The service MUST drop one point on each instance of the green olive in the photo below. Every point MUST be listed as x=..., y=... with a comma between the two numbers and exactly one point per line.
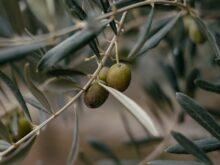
x=24, y=127
x=103, y=73
x=95, y=96
x=195, y=33
x=119, y=76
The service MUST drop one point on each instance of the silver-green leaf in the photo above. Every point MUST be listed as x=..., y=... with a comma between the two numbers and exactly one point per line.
x=16, y=93
x=134, y=109
x=34, y=90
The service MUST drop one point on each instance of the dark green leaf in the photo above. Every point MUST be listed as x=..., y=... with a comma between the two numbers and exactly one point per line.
x=207, y=145
x=4, y=134
x=65, y=72
x=171, y=75
x=13, y=11
x=191, y=147
x=179, y=61
x=199, y=114
x=190, y=85
x=75, y=142
x=34, y=90
x=146, y=141
x=143, y=34
x=76, y=10
x=68, y=46
x=19, y=153
x=156, y=38
x=4, y=145
x=209, y=36
x=16, y=93
x=106, y=6
x=103, y=148
x=174, y=162
x=18, y=52
x=208, y=86
x=156, y=92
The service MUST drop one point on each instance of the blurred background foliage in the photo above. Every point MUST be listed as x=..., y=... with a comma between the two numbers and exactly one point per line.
x=31, y=29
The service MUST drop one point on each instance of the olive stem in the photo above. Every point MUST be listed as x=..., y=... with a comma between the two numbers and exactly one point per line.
x=116, y=52
x=94, y=75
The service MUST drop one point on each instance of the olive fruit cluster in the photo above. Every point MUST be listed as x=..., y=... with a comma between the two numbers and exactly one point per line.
x=118, y=76
x=195, y=34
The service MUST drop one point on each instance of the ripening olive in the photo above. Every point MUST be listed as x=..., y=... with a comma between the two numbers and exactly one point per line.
x=95, y=96
x=103, y=73
x=119, y=76
x=191, y=27
x=24, y=127
x=195, y=33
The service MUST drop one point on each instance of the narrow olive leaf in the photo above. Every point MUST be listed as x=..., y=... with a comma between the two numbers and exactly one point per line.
x=77, y=10
x=65, y=72
x=4, y=145
x=134, y=109
x=156, y=38
x=19, y=153
x=81, y=14
x=143, y=34
x=191, y=147
x=171, y=75
x=13, y=11
x=208, y=86
x=34, y=90
x=146, y=141
x=35, y=103
x=71, y=44
x=190, y=85
x=4, y=133
x=75, y=142
x=61, y=85
x=19, y=52
x=104, y=149
x=158, y=24
x=16, y=93
x=209, y=35
x=199, y=114
x=179, y=61
x=106, y=6
x=156, y=92
x=174, y=162
x=207, y=145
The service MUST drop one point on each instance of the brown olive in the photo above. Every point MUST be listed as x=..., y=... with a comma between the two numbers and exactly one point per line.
x=24, y=127
x=95, y=96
